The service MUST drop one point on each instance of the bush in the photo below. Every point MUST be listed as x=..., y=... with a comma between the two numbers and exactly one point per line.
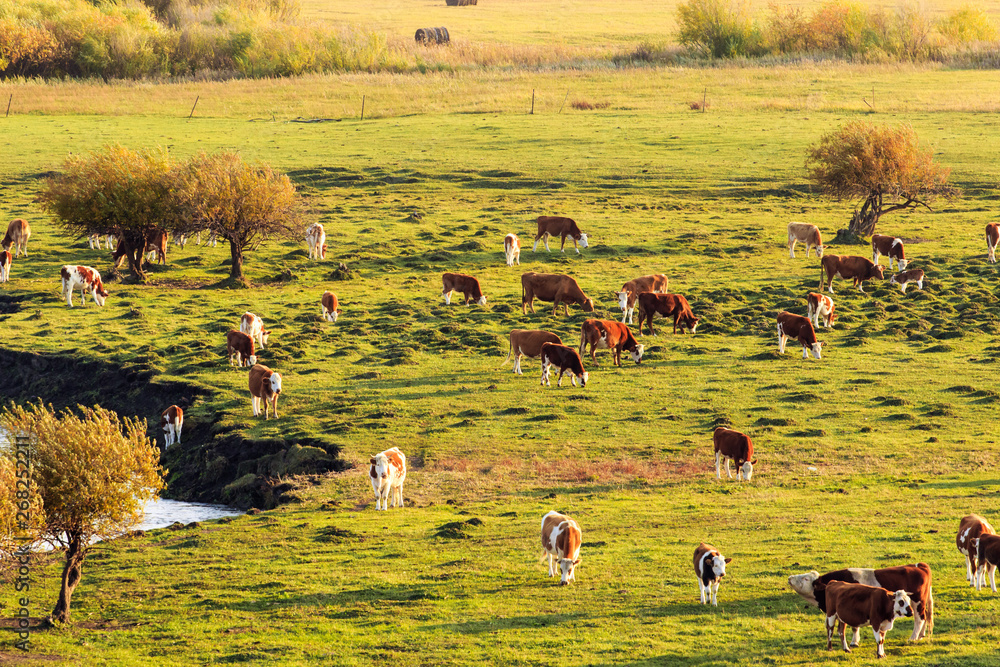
x=968, y=25
x=718, y=28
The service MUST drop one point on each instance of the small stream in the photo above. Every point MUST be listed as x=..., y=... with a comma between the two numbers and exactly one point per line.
x=161, y=512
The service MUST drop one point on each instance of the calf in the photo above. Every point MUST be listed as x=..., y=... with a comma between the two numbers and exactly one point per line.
x=971, y=527
x=316, y=239
x=87, y=279
x=156, y=246
x=800, y=328
x=6, y=259
x=554, y=287
x=265, y=386
x=240, y=347
x=331, y=307
x=992, y=238
x=528, y=343
x=512, y=249
x=904, y=278
x=467, y=286
x=606, y=334
x=629, y=294
x=566, y=359
x=171, y=422
x=551, y=225
x=807, y=234
x=856, y=605
x=667, y=305
x=710, y=568
x=388, y=472
x=988, y=554
x=916, y=579
x=18, y=233
x=738, y=447
x=561, y=541
x=891, y=247
x=847, y=267
x=819, y=305
x=253, y=326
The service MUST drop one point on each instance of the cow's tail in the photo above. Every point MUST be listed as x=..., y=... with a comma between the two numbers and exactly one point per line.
x=510, y=351
x=822, y=272
x=583, y=340
x=929, y=610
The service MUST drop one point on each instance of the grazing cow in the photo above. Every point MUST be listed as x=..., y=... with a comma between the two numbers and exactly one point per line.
x=807, y=234
x=552, y=225
x=710, y=568
x=171, y=422
x=156, y=246
x=512, y=249
x=180, y=239
x=528, y=343
x=95, y=241
x=561, y=541
x=819, y=305
x=331, y=307
x=388, y=472
x=316, y=239
x=18, y=233
x=904, y=278
x=467, y=286
x=916, y=579
x=629, y=294
x=800, y=328
x=735, y=446
x=892, y=248
x=240, y=348
x=972, y=527
x=87, y=279
x=6, y=259
x=847, y=267
x=253, y=326
x=988, y=554
x=857, y=604
x=566, y=359
x=212, y=238
x=667, y=305
x=992, y=238
x=607, y=334
x=554, y=287
x=265, y=386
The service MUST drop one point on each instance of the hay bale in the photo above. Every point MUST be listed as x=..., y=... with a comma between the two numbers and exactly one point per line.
x=420, y=36
x=432, y=36
x=443, y=36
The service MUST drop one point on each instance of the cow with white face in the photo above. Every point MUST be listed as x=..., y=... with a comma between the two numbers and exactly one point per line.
x=316, y=239
x=253, y=326
x=561, y=540
x=387, y=473
x=710, y=568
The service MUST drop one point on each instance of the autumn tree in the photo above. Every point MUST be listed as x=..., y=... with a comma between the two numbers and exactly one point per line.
x=93, y=474
x=245, y=203
x=881, y=167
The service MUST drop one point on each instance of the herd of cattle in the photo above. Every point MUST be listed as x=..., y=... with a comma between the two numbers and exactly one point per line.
x=851, y=597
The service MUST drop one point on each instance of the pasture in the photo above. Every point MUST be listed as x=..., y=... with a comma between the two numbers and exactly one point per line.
x=896, y=419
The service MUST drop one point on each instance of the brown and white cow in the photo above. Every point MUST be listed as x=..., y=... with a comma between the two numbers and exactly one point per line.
x=710, y=568
x=971, y=527
x=735, y=446
x=240, y=349
x=609, y=335
x=465, y=285
x=156, y=246
x=265, y=386
x=819, y=305
x=387, y=474
x=668, y=305
x=561, y=541
x=253, y=326
x=171, y=423
x=554, y=287
x=988, y=554
x=316, y=240
x=528, y=343
x=915, y=579
x=512, y=249
x=6, y=259
x=856, y=605
x=904, y=278
x=848, y=267
x=992, y=239
x=85, y=278
x=554, y=225
x=801, y=329
x=892, y=248
x=565, y=359
x=805, y=233
x=630, y=291
x=18, y=233
x=331, y=307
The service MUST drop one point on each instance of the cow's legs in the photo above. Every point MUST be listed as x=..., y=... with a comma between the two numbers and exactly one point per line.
x=447, y=297
x=562, y=244
x=860, y=285
x=993, y=576
x=701, y=591
x=728, y=471
x=918, y=623
x=782, y=340
x=517, y=364
x=791, y=246
x=856, y=636
x=843, y=636
x=879, y=640
x=718, y=465
x=399, y=490
x=831, y=621
x=969, y=568
x=805, y=352
x=552, y=570
x=559, y=382
x=715, y=592
x=177, y=431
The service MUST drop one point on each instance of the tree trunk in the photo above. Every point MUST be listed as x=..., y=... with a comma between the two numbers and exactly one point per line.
x=135, y=256
x=72, y=573
x=863, y=222
x=236, y=269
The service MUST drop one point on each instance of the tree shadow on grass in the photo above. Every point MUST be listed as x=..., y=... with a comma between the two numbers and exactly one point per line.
x=964, y=484
x=498, y=624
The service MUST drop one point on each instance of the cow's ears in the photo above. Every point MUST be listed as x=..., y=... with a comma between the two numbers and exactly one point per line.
x=339, y=311
x=372, y=460
x=577, y=561
x=729, y=560
x=754, y=462
x=822, y=343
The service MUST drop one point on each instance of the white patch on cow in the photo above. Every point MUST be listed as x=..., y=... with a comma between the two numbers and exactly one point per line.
x=636, y=354
x=863, y=575
x=583, y=242
x=447, y=298
x=817, y=349
x=746, y=470
x=482, y=300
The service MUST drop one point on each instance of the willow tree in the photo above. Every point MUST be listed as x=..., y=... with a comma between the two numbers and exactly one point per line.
x=881, y=167
x=92, y=473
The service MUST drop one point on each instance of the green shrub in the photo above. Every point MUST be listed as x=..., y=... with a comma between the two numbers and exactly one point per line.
x=718, y=28
x=968, y=25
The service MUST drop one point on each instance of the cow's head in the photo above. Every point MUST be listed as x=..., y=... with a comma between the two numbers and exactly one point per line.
x=816, y=349
x=264, y=333
x=588, y=305
x=322, y=251
x=804, y=585
x=692, y=323
x=380, y=466
x=584, y=378
x=583, y=240
x=746, y=469
x=819, y=250
x=568, y=568
x=717, y=564
x=100, y=294
x=482, y=300
x=636, y=353
x=879, y=272
x=901, y=605
x=622, y=299
x=275, y=383
x=902, y=264
x=252, y=360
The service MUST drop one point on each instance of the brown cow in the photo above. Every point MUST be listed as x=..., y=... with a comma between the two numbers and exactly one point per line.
x=18, y=233
x=528, y=343
x=971, y=527
x=561, y=540
x=667, y=305
x=710, y=568
x=265, y=386
x=800, y=328
x=847, y=267
x=566, y=359
x=992, y=238
x=807, y=234
x=331, y=307
x=171, y=423
x=6, y=259
x=891, y=247
x=554, y=287
x=988, y=553
x=512, y=249
x=156, y=246
x=240, y=347
x=819, y=305
x=856, y=605
x=904, y=278
x=86, y=278
x=466, y=285
x=551, y=225
x=629, y=294
x=730, y=444
x=607, y=334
